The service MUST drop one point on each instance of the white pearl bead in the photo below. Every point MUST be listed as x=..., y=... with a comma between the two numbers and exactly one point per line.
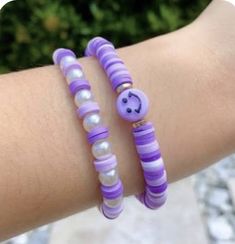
x=112, y=203
x=91, y=121
x=74, y=74
x=82, y=97
x=66, y=61
x=109, y=178
x=101, y=149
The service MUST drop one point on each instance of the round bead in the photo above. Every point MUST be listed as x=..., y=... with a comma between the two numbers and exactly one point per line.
x=74, y=74
x=101, y=149
x=67, y=61
x=112, y=203
x=91, y=121
x=109, y=178
x=82, y=96
x=132, y=105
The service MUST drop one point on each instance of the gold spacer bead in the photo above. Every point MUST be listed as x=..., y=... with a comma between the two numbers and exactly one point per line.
x=139, y=123
x=123, y=87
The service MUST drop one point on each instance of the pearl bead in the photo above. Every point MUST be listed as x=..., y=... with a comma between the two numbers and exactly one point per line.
x=91, y=121
x=74, y=74
x=101, y=149
x=112, y=203
x=109, y=178
x=66, y=61
x=82, y=97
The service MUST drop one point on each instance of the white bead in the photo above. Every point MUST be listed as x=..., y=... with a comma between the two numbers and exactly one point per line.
x=91, y=121
x=112, y=203
x=66, y=61
x=82, y=97
x=109, y=178
x=101, y=149
x=74, y=74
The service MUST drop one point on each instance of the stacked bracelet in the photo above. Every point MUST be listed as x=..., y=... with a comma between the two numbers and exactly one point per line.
x=132, y=105
x=97, y=134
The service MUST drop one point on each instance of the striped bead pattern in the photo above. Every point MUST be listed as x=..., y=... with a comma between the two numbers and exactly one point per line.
x=112, y=64
x=152, y=164
x=97, y=134
x=147, y=147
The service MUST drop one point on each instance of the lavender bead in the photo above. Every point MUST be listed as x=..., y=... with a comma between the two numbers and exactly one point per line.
x=106, y=164
x=132, y=105
x=97, y=133
x=113, y=203
x=88, y=108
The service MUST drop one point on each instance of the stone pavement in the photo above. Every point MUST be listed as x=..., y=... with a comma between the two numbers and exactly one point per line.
x=179, y=222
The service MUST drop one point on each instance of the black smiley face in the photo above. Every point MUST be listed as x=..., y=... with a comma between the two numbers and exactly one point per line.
x=125, y=100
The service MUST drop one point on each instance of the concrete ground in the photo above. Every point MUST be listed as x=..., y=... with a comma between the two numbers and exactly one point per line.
x=178, y=222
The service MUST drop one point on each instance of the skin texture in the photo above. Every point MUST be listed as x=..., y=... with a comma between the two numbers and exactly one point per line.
x=46, y=170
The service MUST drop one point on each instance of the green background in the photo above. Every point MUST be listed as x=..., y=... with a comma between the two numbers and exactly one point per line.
x=31, y=29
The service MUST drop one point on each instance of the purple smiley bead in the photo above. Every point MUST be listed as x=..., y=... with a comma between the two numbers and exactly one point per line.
x=132, y=105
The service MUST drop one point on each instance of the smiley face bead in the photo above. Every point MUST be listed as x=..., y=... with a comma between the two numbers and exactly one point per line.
x=132, y=105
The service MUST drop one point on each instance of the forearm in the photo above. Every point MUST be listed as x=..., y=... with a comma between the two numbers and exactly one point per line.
x=45, y=163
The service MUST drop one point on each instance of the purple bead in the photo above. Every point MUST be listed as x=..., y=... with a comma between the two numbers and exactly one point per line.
x=156, y=152
x=154, y=203
x=159, y=181
x=153, y=165
x=112, y=192
x=121, y=79
x=78, y=85
x=97, y=133
x=146, y=157
x=151, y=175
x=106, y=164
x=87, y=107
x=158, y=189
x=147, y=148
x=111, y=213
x=145, y=141
x=132, y=105
x=61, y=53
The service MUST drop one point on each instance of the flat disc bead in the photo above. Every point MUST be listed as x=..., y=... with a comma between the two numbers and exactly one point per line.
x=61, y=53
x=112, y=203
x=106, y=164
x=88, y=108
x=98, y=133
x=132, y=105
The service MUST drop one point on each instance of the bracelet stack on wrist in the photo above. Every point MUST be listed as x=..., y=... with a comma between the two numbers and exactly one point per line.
x=97, y=134
x=132, y=105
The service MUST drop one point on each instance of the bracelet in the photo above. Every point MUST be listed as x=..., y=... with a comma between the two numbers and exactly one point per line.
x=132, y=105
x=97, y=134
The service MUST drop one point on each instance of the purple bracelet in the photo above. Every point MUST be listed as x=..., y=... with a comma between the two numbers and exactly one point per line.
x=97, y=134
x=132, y=105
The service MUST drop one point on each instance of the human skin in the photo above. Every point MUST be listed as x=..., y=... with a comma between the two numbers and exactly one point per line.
x=46, y=169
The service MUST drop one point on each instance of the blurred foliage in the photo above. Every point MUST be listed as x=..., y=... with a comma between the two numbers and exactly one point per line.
x=31, y=29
